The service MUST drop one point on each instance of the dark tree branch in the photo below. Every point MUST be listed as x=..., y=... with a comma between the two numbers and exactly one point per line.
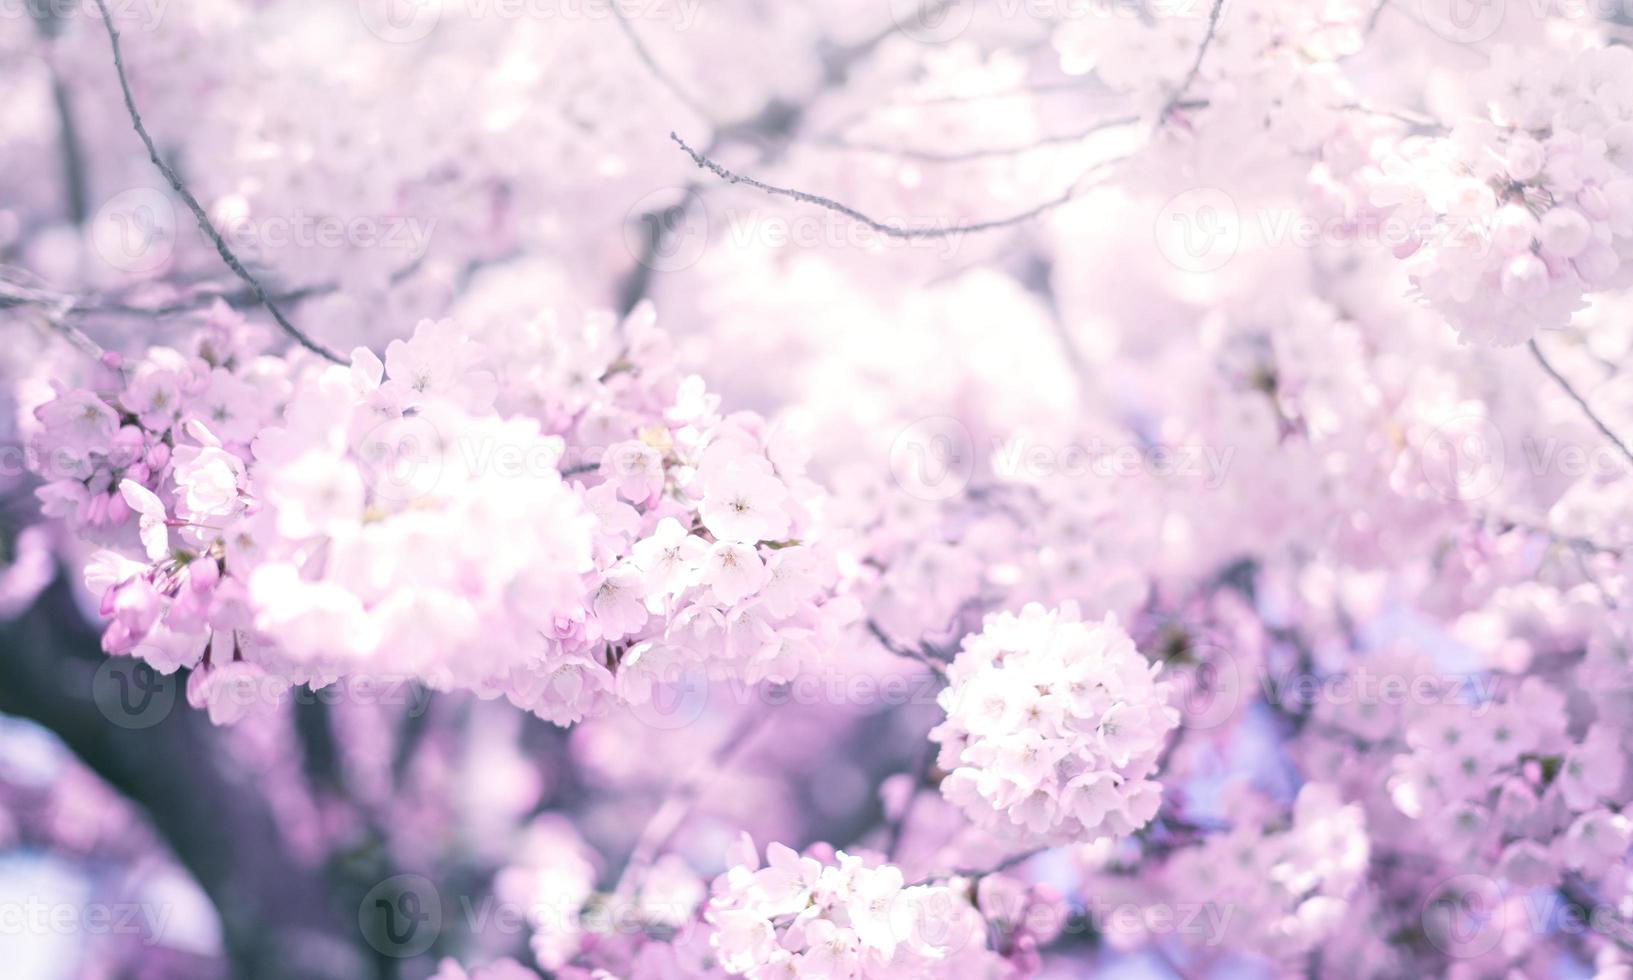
x=921, y=654
x=199, y=216
x=277, y=919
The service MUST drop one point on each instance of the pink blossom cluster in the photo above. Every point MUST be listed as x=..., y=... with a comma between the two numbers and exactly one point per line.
x=1288, y=886
x=1524, y=208
x=1053, y=728
x=1514, y=789
x=284, y=521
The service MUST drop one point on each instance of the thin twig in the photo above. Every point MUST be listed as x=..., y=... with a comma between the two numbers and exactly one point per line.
x=921, y=655
x=979, y=873
x=658, y=72
x=1196, y=65
x=886, y=228
x=203, y=219
x=1587, y=410
x=674, y=809
x=54, y=316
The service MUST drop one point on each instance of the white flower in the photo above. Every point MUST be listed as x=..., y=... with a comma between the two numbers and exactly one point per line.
x=874, y=912
x=317, y=495
x=438, y=363
x=209, y=479
x=668, y=559
x=150, y=518
x=793, y=579
x=619, y=604
x=745, y=504
x=733, y=571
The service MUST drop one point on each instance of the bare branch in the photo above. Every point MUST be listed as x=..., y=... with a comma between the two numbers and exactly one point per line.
x=977, y=873
x=54, y=312
x=677, y=806
x=203, y=219
x=1581, y=402
x=657, y=71
x=921, y=654
x=895, y=230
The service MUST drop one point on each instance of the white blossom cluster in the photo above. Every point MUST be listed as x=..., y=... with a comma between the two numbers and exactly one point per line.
x=801, y=917
x=1053, y=726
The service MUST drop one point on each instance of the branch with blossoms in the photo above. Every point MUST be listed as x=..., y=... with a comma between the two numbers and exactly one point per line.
x=1195, y=582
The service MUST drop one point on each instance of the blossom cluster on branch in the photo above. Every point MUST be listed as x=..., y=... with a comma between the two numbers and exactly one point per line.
x=1147, y=481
